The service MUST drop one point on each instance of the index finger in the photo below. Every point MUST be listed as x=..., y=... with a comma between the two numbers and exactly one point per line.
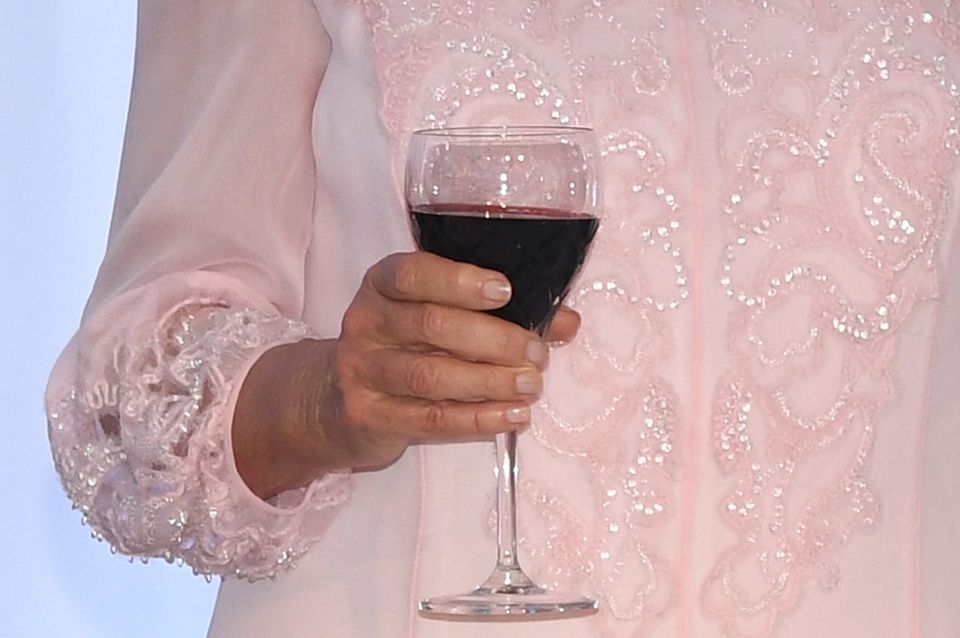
x=425, y=277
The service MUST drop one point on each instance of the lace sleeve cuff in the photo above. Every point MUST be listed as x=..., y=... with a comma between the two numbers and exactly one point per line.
x=144, y=451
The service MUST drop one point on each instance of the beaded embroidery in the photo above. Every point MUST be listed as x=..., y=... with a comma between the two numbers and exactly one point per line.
x=883, y=120
x=836, y=131
x=141, y=453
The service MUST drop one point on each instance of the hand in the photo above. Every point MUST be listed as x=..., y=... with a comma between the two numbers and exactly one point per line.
x=418, y=360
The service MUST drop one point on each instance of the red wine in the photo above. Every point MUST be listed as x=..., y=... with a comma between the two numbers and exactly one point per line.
x=538, y=249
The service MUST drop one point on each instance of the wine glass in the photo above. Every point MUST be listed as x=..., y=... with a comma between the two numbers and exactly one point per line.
x=521, y=200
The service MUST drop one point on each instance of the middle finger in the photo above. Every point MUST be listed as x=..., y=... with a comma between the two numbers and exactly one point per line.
x=466, y=334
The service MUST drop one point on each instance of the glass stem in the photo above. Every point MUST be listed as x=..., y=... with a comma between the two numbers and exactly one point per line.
x=507, y=502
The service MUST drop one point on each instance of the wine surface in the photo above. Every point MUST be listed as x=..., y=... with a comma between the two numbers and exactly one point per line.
x=540, y=250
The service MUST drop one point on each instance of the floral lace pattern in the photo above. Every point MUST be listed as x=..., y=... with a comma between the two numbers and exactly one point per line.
x=835, y=129
x=143, y=451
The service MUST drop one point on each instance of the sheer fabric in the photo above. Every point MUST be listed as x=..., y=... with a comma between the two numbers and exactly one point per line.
x=203, y=272
x=144, y=450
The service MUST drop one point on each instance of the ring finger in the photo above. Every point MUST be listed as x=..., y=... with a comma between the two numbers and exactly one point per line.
x=435, y=376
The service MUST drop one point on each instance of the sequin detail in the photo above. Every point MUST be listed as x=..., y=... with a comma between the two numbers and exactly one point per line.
x=835, y=127
x=483, y=61
x=141, y=451
x=831, y=223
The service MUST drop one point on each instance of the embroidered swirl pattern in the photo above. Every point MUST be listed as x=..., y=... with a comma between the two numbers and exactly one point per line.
x=794, y=417
x=835, y=128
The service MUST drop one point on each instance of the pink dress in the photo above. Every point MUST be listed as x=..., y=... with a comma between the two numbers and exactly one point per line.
x=755, y=434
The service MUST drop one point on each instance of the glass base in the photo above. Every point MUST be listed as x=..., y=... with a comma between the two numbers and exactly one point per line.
x=509, y=597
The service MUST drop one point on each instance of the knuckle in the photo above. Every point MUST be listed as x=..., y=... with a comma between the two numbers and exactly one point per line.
x=422, y=377
x=431, y=321
x=375, y=275
x=406, y=275
x=434, y=419
x=465, y=278
x=497, y=384
x=478, y=422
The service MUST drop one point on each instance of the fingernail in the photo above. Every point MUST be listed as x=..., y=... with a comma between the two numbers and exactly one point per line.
x=496, y=290
x=518, y=415
x=537, y=353
x=528, y=383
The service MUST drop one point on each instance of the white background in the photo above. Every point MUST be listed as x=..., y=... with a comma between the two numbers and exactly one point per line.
x=64, y=85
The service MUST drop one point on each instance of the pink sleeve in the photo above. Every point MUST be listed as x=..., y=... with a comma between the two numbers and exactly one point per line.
x=203, y=273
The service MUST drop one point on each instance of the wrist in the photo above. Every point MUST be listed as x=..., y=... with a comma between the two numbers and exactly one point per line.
x=281, y=426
